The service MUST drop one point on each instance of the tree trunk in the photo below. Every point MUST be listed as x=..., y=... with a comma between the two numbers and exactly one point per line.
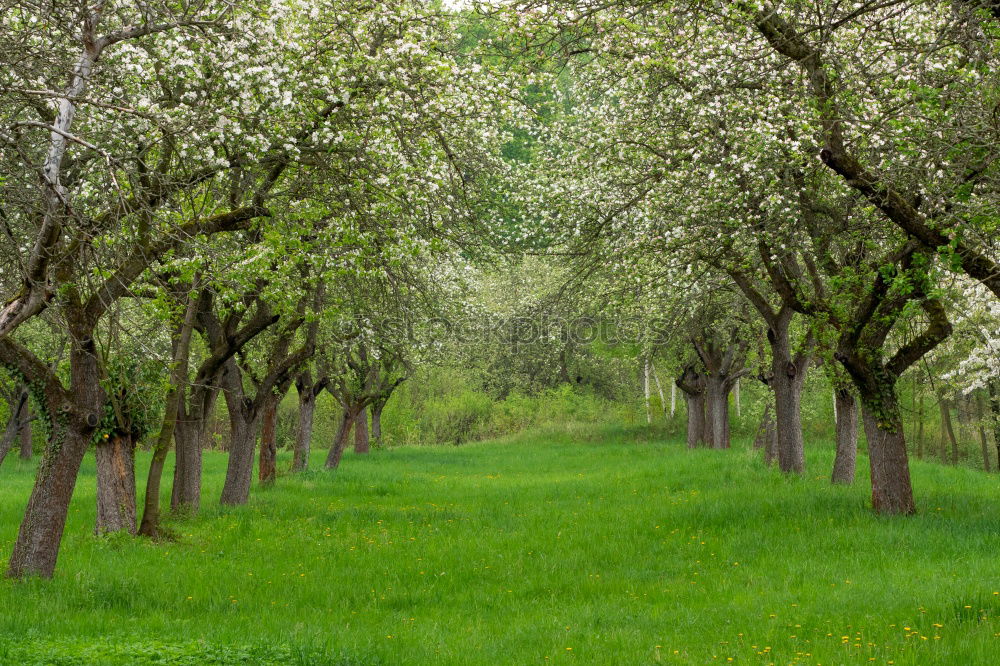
x=981, y=427
x=239, y=471
x=845, y=462
x=645, y=391
x=376, y=409
x=244, y=424
x=150, y=525
x=788, y=376
x=115, y=457
x=361, y=442
x=15, y=423
x=37, y=546
x=695, y=420
x=659, y=390
x=186, y=494
x=340, y=440
x=26, y=440
x=766, y=437
x=770, y=444
x=303, y=436
x=949, y=431
x=788, y=421
x=717, y=411
x=268, y=463
x=965, y=409
x=759, y=440
x=920, y=423
x=892, y=493
x=994, y=387
x=723, y=367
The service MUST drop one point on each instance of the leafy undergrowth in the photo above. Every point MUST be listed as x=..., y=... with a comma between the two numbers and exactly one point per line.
x=593, y=546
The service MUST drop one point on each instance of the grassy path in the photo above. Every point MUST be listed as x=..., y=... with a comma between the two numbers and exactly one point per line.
x=542, y=549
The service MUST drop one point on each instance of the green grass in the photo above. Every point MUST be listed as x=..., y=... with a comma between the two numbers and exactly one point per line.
x=613, y=548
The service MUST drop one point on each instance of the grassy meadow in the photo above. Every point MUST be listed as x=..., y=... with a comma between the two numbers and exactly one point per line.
x=572, y=545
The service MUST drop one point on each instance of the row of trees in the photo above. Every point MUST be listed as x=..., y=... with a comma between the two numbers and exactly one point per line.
x=831, y=168
x=214, y=197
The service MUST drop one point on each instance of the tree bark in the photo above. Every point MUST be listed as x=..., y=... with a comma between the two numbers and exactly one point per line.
x=765, y=438
x=244, y=424
x=994, y=388
x=267, y=469
x=15, y=423
x=303, y=435
x=695, y=420
x=845, y=462
x=788, y=376
x=723, y=367
x=646, y=392
x=72, y=426
x=115, y=457
x=26, y=448
x=37, y=546
x=186, y=492
x=981, y=427
x=949, y=431
x=150, y=525
x=239, y=471
x=189, y=436
x=892, y=493
x=376, y=409
x=692, y=384
x=659, y=390
x=920, y=422
x=340, y=439
x=770, y=444
x=759, y=441
x=362, y=444
x=717, y=411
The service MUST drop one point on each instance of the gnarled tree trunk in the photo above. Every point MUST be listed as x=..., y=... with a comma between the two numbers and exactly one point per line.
x=186, y=492
x=765, y=438
x=845, y=462
x=181, y=344
x=692, y=384
x=244, y=424
x=994, y=388
x=37, y=546
x=948, y=431
x=115, y=457
x=26, y=448
x=239, y=471
x=340, y=440
x=920, y=420
x=890, y=470
x=723, y=367
x=981, y=417
x=377, y=408
x=362, y=444
x=787, y=378
x=696, y=426
x=717, y=411
x=72, y=427
x=267, y=467
x=303, y=435
x=15, y=423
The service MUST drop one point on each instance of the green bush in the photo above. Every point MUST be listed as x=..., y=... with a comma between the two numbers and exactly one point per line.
x=456, y=418
x=444, y=406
